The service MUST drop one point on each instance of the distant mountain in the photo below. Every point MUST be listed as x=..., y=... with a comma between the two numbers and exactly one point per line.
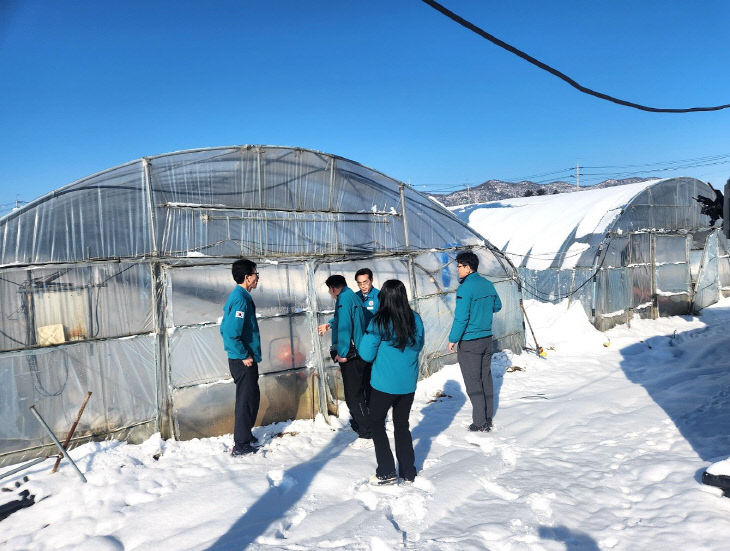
x=495, y=190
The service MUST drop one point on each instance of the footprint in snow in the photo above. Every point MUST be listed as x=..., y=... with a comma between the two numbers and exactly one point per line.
x=482, y=440
x=541, y=505
x=497, y=490
x=279, y=479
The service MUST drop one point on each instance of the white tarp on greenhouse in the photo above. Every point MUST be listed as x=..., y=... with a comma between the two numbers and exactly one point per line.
x=555, y=230
x=639, y=249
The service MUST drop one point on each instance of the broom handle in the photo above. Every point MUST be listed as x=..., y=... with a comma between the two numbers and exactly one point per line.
x=537, y=346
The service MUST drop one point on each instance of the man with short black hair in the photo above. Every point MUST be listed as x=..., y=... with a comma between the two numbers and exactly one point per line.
x=242, y=342
x=348, y=326
x=367, y=293
x=476, y=302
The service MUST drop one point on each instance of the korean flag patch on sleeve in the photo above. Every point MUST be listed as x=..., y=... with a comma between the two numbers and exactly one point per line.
x=239, y=314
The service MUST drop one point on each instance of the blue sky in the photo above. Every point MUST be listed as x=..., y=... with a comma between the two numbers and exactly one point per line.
x=391, y=84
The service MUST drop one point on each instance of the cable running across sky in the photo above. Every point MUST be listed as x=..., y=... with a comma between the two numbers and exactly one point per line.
x=562, y=76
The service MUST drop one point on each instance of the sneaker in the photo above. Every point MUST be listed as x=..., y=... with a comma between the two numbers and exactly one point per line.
x=246, y=449
x=480, y=428
x=385, y=480
x=253, y=440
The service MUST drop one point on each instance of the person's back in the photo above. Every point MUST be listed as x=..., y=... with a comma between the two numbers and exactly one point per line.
x=483, y=303
x=349, y=325
x=394, y=370
x=394, y=339
x=476, y=302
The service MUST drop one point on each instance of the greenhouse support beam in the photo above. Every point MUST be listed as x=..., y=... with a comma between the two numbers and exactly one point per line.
x=401, y=190
x=164, y=394
x=652, y=254
x=322, y=385
x=150, y=204
x=55, y=441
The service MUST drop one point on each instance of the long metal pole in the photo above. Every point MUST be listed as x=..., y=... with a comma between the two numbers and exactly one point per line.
x=23, y=467
x=55, y=441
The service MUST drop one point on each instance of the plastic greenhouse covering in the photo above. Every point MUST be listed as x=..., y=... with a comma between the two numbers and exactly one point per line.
x=115, y=284
x=639, y=249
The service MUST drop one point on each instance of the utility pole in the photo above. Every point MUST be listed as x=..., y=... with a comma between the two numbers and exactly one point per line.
x=577, y=175
x=468, y=189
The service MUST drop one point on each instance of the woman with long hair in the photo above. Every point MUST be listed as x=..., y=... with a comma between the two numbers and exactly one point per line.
x=393, y=340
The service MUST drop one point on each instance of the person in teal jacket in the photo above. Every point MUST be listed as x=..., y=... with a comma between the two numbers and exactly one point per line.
x=242, y=343
x=476, y=302
x=348, y=326
x=393, y=341
x=367, y=293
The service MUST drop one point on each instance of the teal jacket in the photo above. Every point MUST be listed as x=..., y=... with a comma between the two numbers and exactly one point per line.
x=348, y=325
x=239, y=328
x=394, y=371
x=476, y=302
x=370, y=304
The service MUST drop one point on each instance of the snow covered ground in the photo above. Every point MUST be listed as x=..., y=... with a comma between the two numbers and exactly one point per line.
x=595, y=447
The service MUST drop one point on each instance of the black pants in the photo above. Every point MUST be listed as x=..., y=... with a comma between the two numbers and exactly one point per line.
x=356, y=383
x=380, y=403
x=475, y=360
x=248, y=397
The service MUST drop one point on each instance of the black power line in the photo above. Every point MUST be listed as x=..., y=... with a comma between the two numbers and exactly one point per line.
x=562, y=76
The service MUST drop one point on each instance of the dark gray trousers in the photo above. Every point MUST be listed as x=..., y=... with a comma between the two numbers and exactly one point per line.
x=475, y=360
x=356, y=382
x=248, y=397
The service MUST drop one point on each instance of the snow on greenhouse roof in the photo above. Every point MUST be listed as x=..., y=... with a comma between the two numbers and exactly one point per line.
x=533, y=231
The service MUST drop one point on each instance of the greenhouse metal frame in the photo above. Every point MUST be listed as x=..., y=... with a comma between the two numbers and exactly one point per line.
x=115, y=284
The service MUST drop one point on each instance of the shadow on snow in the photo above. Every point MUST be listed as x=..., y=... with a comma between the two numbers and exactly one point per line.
x=437, y=417
x=688, y=375
x=271, y=506
x=573, y=540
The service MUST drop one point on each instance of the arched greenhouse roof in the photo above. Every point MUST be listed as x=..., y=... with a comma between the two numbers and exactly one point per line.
x=226, y=202
x=565, y=231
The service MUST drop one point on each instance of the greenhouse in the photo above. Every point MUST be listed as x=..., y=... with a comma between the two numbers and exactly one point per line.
x=640, y=249
x=115, y=285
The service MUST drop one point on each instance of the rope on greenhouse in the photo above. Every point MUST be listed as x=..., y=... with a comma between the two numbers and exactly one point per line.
x=562, y=76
